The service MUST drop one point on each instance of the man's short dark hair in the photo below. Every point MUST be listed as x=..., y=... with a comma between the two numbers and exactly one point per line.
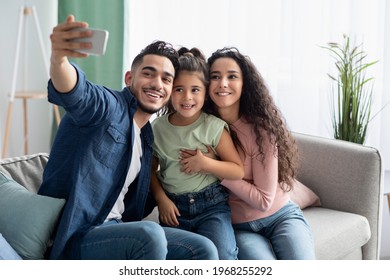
x=158, y=48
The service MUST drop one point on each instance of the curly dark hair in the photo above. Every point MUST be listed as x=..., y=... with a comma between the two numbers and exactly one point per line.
x=257, y=107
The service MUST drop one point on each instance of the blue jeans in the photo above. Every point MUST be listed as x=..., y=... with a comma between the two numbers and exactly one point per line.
x=207, y=213
x=145, y=240
x=285, y=235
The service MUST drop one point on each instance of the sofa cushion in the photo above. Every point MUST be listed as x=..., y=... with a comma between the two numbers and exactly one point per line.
x=336, y=234
x=27, y=220
x=26, y=170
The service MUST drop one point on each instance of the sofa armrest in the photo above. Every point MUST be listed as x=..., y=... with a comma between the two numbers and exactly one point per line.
x=347, y=177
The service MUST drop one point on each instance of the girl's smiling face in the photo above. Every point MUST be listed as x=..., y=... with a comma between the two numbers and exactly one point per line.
x=188, y=95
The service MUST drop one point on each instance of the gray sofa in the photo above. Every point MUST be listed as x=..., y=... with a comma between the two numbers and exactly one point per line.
x=348, y=178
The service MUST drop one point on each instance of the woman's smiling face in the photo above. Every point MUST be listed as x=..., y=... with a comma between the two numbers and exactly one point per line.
x=226, y=83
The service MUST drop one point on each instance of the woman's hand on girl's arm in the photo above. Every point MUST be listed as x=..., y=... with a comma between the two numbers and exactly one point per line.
x=193, y=164
x=186, y=153
x=192, y=160
x=230, y=166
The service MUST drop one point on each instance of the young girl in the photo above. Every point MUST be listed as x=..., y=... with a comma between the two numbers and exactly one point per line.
x=188, y=191
x=268, y=225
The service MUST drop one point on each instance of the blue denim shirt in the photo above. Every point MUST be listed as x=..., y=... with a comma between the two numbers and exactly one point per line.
x=90, y=158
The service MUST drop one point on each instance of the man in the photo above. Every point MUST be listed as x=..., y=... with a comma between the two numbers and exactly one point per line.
x=100, y=161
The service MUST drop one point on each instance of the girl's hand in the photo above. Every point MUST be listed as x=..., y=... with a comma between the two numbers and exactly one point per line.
x=168, y=212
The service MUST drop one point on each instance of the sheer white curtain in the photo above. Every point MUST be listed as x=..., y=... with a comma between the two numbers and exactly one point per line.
x=283, y=38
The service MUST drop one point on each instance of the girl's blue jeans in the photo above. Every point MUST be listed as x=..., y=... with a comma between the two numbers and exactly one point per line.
x=207, y=213
x=285, y=235
x=144, y=240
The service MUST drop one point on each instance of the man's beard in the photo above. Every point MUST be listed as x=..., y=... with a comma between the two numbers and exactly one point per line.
x=142, y=106
x=146, y=109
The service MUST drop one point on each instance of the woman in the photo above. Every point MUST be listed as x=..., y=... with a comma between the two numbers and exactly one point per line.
x=267, y=224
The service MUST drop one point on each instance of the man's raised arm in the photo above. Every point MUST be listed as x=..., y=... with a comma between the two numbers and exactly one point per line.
x=62, y=73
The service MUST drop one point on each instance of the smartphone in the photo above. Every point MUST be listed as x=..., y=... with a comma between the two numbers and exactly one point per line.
x=98, y=39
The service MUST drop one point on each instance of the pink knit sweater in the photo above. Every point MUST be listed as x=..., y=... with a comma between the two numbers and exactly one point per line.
x=258, y=194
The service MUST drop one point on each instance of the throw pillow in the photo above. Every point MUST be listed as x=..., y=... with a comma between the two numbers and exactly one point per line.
x=303, y=196
x=27, y=220
x=6, y=251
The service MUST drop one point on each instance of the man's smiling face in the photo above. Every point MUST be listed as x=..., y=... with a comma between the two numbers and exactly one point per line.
x=151, y=82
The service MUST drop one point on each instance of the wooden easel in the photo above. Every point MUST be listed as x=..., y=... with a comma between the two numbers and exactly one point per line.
x=25, y=94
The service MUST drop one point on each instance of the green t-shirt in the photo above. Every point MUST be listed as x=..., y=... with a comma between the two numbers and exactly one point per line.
x=169, y=139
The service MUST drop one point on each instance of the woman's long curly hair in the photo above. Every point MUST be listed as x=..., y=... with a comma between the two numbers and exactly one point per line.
x=258, y=108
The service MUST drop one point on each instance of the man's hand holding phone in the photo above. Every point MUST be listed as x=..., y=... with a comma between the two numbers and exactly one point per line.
x=97, y=41
x=72, y=39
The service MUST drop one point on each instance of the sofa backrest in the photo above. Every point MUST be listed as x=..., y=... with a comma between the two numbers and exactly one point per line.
x=26, y=170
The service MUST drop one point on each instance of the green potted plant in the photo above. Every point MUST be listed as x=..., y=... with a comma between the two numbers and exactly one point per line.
x=351, y=97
